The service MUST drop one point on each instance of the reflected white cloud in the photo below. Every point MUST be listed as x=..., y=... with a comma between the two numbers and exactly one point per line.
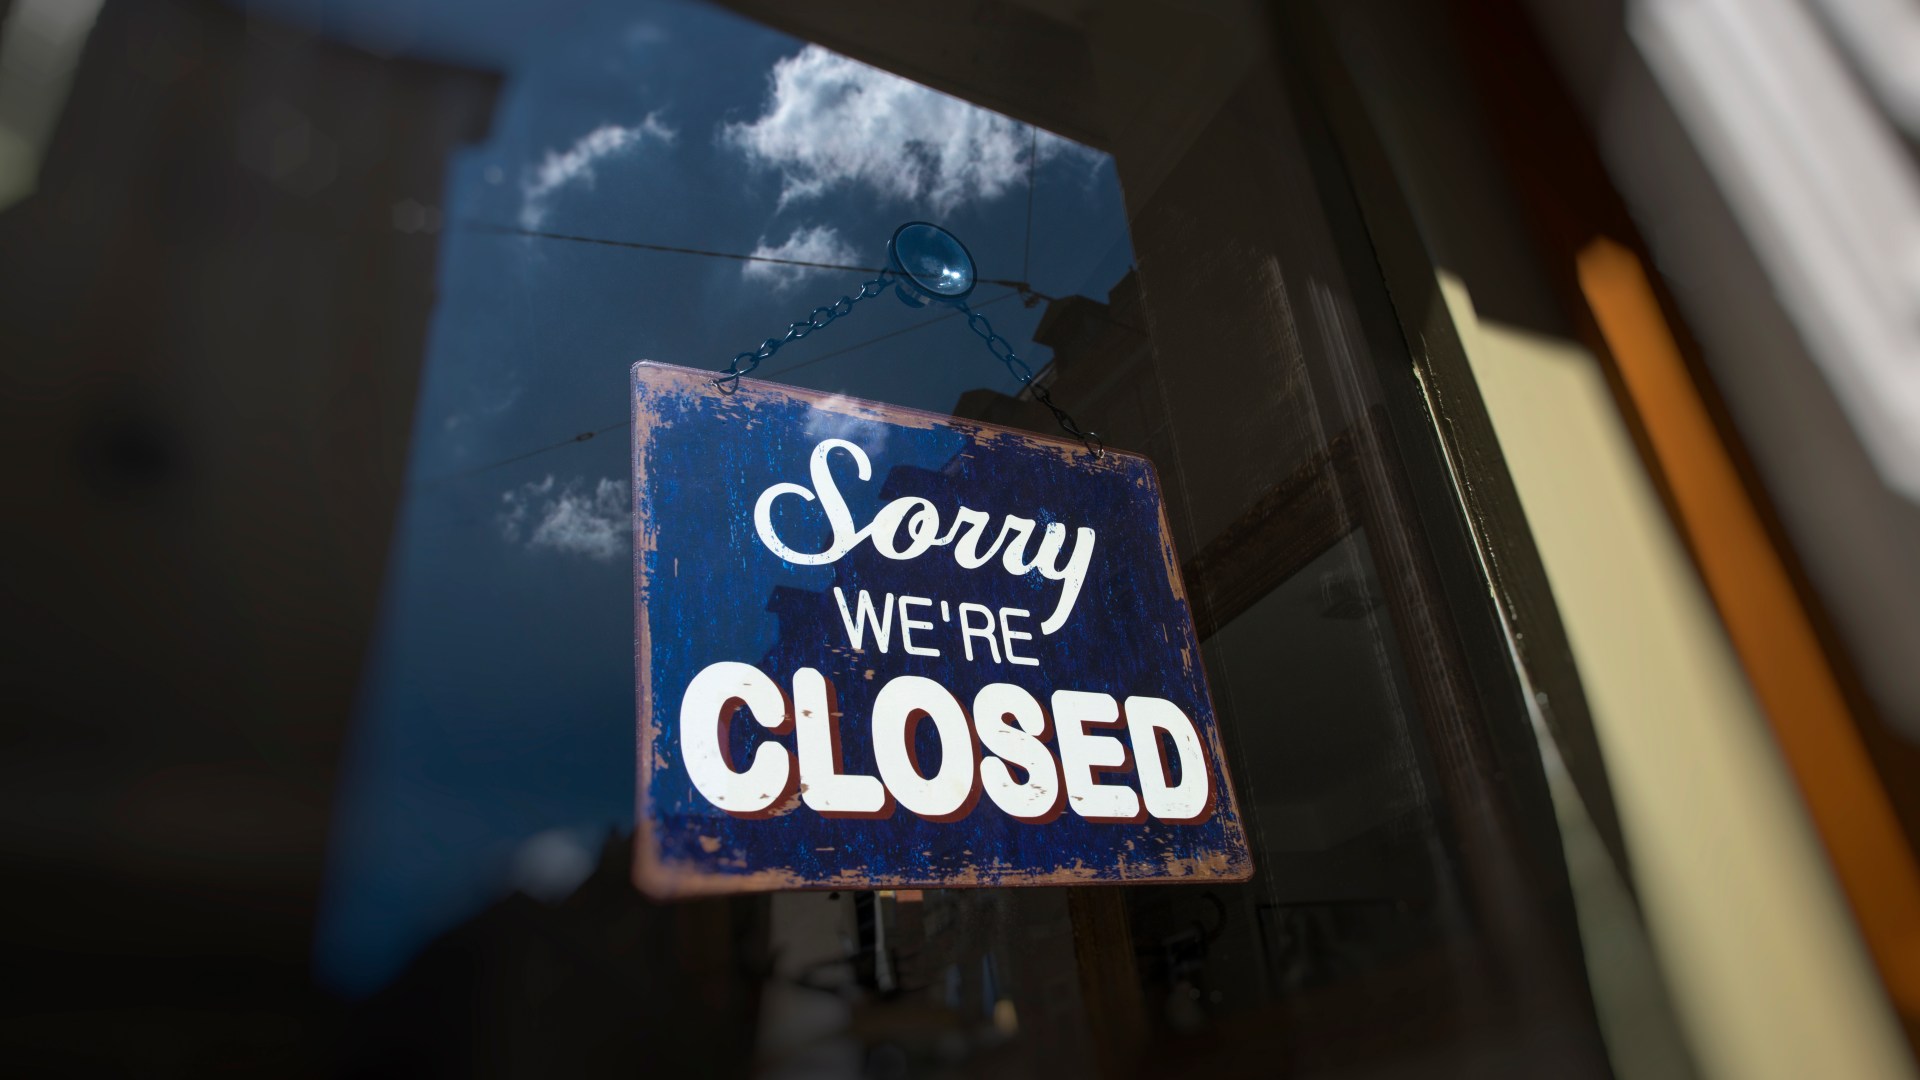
x=571, y=518
x=818, y=244
x=575, y=164
x=646, y=33
x=549, y=866
x=826, y=421
x=829, y=120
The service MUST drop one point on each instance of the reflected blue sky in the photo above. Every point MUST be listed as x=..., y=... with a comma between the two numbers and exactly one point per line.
x=495, y=735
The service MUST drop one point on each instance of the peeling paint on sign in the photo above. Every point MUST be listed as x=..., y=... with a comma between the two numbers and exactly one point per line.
x=879, y=648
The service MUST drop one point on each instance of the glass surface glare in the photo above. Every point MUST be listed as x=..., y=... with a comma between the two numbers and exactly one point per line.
x=933, y=260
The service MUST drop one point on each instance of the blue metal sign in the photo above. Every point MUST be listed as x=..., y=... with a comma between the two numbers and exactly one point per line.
x=881, y=648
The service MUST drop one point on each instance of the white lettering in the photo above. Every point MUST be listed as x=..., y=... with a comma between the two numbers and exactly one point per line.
x=881, y=620
x=984, y=631
x=1083, y=755
x=909, y=624
x=1008, y=635
x=707, y=710
x=1191, y=800
x=1038, y=800
x=845, y=536
x=1072, y=577
x=1008, y=722
x=949, y=794
x=919, y=520
x=967, y=552
x=823, y=785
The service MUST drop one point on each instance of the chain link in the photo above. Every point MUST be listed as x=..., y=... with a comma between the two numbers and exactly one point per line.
x=1002, y=351
x=817, y=319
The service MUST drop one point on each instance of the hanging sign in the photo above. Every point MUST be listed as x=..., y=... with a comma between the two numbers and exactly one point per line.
x=881, y=648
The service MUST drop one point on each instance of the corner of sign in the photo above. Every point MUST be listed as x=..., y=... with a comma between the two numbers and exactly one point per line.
x=652, y=879
x=1245, y=872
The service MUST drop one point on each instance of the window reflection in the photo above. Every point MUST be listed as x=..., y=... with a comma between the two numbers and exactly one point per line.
x=673, y=183
x=662, y=182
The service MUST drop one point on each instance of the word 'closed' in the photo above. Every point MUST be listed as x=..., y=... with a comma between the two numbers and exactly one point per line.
x=998, y=747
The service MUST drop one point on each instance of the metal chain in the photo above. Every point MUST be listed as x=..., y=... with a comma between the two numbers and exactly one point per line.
x=1002, y=351
x=817, y=319
x=728, y=380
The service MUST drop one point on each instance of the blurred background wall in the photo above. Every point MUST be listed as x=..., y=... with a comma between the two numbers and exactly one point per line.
x=212, y=313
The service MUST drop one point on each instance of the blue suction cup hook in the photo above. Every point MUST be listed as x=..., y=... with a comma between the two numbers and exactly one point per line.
x=926, y=264
x=931, y=265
